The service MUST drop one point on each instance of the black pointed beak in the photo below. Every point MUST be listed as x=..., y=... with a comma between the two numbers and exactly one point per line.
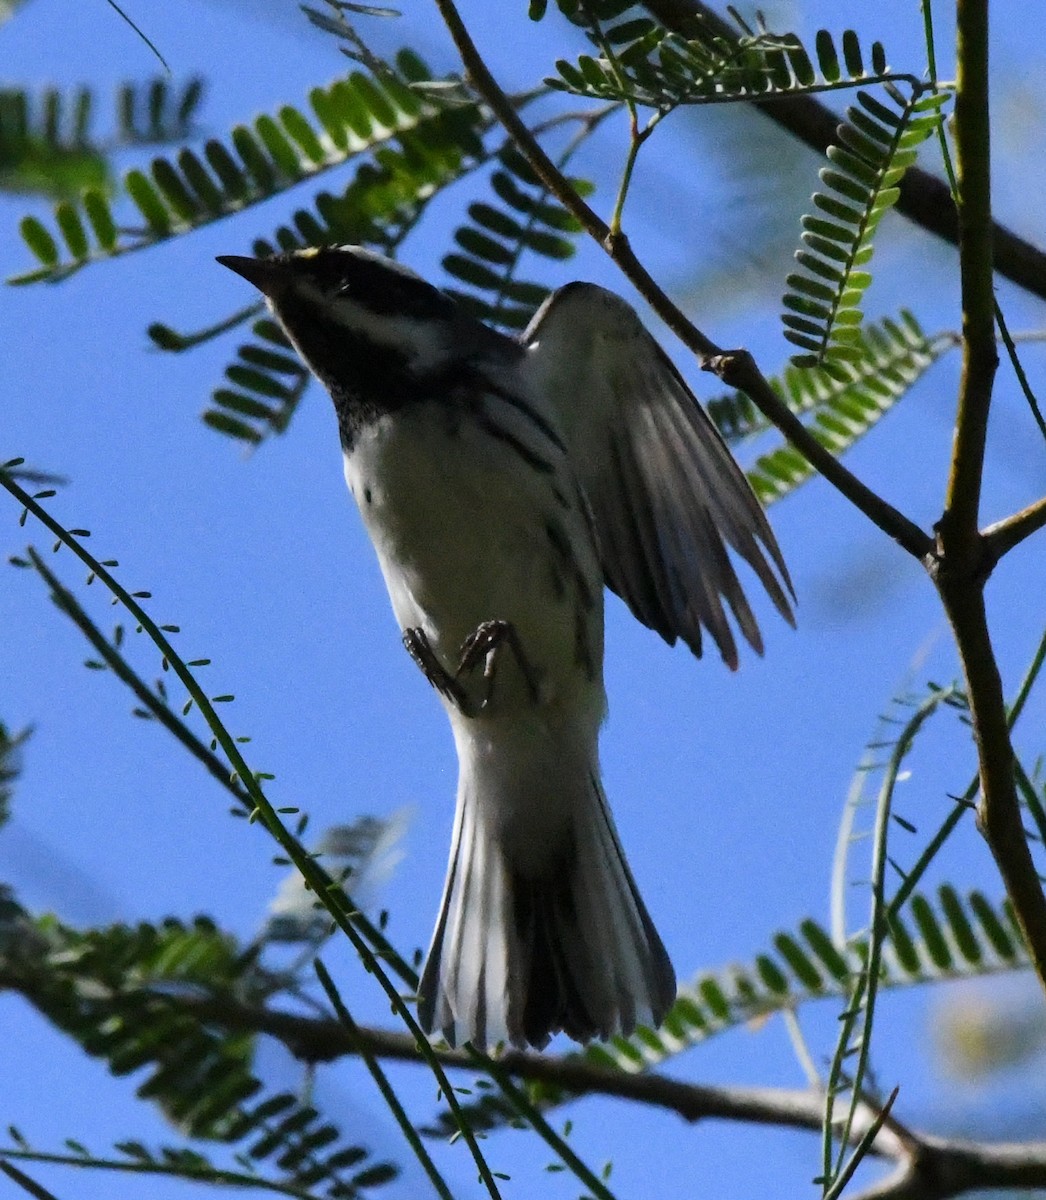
x=266, y=275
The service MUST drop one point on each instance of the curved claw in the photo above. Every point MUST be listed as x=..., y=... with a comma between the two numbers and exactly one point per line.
x=420, y=649
x=480, y=647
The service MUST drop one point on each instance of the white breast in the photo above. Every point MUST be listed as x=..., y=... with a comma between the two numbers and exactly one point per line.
x=477, y=517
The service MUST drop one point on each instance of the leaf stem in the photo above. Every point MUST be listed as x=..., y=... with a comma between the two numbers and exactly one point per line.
x=208, y=1174
x=331, y=895
x=34, y=1189
x=965, y=802
x=382, y=1080
x=864, y=992
x=924, y=200
x=66, y=602
x=737, y=369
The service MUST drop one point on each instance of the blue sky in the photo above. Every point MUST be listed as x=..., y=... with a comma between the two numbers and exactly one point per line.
x=727, y=788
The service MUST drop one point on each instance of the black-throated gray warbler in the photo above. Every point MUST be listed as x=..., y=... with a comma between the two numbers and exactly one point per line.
x=503, y=481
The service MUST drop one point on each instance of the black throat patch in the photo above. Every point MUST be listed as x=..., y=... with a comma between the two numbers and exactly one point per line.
x=365, y=379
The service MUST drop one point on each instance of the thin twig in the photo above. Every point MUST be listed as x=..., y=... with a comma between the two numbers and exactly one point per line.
x=862, y=1149
x=1001, y=537
x=966, y=801
x=34, y=1189
x=1010, y=342
x=187, y=1172
x=737, y=369
x=326, y=890
x=155, y=704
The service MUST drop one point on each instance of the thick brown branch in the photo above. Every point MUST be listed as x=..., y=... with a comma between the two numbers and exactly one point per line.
x=929, y=1168
x=999, y=813
x=325, y=1039
x=938, y=1168
x=924, y=198
x=980, y=356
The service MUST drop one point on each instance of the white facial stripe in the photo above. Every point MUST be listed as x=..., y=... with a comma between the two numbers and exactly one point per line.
x=421, y=342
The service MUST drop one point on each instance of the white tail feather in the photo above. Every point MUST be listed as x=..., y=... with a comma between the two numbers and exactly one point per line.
x=544, y=934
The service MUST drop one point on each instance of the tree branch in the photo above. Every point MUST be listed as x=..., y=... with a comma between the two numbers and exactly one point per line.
x=979, y=352
x=928, y=1168
x=963, y=562
x=998, y=814
x=938, y=1168
x=924, y=199
x=736, y=368
x=1001, y=537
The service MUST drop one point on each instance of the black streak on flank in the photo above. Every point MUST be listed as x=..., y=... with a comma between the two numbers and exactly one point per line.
x=582, y=650
x=524, y=409
x=560, y=544
x=494, y=430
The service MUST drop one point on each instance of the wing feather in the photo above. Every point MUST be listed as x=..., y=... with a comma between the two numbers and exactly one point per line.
x=668, y=500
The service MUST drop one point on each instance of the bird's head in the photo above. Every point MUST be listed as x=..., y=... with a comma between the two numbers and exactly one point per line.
x=363, y=323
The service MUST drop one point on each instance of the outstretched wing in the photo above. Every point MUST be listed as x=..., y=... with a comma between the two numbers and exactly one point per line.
x=666, y=495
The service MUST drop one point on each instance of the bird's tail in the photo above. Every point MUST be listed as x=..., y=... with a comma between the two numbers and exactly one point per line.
x=541, y=928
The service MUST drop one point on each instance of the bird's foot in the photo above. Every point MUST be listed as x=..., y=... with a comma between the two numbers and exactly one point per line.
x=420, y=649
x=482, y=646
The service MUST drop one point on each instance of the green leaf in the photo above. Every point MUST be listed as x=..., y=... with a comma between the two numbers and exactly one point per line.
x=661, y=70
x=353, y=117
x=39, y=240
x=929, y=927
x=497, y=240
x=875, y=147
x=844, y=396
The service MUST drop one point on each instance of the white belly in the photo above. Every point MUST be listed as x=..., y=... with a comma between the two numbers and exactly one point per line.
x=467, y=531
